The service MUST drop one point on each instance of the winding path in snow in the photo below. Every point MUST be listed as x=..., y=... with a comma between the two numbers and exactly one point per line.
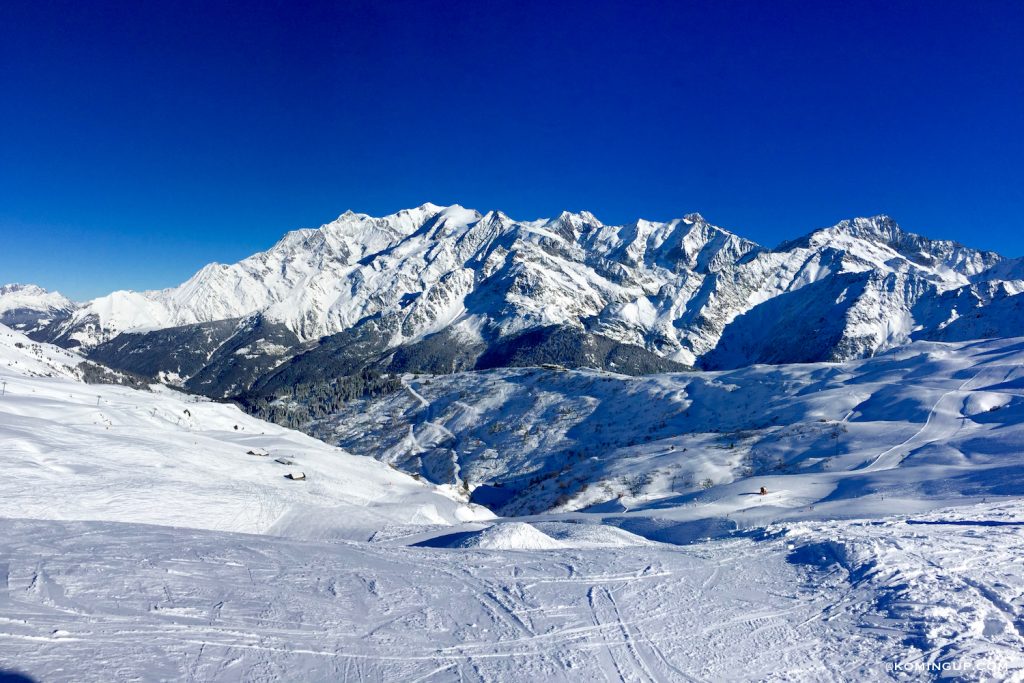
x=945, y=419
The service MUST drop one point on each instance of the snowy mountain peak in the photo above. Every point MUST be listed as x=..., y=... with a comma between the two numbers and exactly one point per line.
x=885, y=230
x=579, y=222
x=425, y=209
x=30, y=308
x=31, y=297
x=18, y=287
x=879, y=242
x=879, y=229
x=494, y=217
x=870, y=227
x=431, y=207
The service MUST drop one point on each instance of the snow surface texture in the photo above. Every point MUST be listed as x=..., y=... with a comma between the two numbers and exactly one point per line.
x=845, y=601
x=683, y=289
x=121, y=557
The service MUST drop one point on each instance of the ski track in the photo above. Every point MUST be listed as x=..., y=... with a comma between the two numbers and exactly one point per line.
x=133, y=601
x=936, y=427
x=432, y=615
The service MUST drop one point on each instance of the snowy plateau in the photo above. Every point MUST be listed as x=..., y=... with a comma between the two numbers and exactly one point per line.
x=500, y=450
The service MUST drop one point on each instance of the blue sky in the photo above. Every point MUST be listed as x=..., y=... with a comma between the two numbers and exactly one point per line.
x=141, y=140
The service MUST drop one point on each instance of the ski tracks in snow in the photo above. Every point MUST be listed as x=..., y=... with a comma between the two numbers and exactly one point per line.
x=151, y=602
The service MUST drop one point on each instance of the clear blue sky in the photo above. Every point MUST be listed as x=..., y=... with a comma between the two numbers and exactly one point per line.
x=140, y=140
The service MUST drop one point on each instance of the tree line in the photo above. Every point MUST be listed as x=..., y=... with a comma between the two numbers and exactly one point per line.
x=295, y=407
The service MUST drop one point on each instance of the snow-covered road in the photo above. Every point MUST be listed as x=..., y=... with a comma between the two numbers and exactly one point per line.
x=944, y=420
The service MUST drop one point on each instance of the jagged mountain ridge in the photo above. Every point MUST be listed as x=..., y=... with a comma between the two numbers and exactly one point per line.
x=420, y=265
x=30, y=308
x=451, y=278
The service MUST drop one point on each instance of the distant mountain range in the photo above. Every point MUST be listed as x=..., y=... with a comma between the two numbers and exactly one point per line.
x=438, y=289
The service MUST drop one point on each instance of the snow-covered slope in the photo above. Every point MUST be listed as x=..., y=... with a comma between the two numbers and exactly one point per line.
x=914, y=598
x=120, y=513
x=76, y=451
x=682, y=289
x=931, y=423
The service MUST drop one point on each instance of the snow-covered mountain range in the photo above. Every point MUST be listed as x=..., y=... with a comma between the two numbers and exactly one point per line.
x=438, y=289
x=887, y=534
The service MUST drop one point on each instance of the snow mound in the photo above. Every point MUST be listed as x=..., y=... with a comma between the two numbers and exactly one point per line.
x=509, y=536
x=590, y=535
